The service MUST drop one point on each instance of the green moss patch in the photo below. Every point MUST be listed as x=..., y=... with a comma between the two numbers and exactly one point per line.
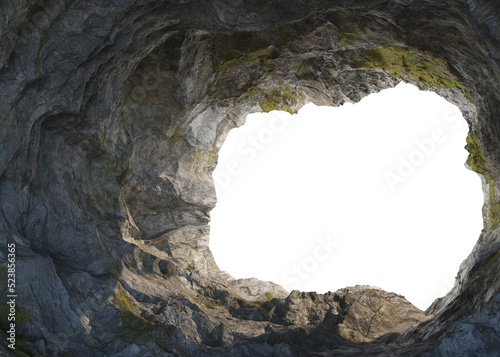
x=304, y=70
x=495, y=214
x=275, y=99
x=113, y=271
x=476, y=162
x=205, y=159
x=406, y=61
x=476, y=157
x=248, y=304
x=347, y=37
x=177, y=135
x=122, y=299
x=134, y=325
x=233, y=59
x=266, y=305
x=492, y=259
x=230, y=55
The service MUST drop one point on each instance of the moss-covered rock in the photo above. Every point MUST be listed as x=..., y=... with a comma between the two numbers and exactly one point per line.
x=134, y=326
x=477, y=162
x=284, y=99
x=406, y=62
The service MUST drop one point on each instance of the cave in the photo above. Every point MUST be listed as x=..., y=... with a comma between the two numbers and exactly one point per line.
x=112, y=117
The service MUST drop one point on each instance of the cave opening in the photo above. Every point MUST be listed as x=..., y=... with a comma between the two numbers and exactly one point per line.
x=374, y=193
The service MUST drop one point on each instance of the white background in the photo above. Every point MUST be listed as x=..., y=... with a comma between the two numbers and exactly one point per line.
x=321, y=200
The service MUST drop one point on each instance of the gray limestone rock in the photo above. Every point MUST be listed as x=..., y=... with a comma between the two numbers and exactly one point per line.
x=113, y=113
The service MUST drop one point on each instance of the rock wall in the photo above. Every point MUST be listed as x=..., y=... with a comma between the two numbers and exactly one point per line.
x=113, y=113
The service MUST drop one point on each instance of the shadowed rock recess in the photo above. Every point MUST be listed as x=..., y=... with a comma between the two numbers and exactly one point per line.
x=112, y=115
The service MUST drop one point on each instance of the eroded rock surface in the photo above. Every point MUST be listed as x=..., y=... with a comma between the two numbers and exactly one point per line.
x=113, y=113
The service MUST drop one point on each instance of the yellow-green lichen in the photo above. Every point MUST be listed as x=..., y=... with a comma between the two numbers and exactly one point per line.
x=492, y=259
x=247, y=304
x=176, y=136
x=197, y=159
x=476, y=156
x=205, y=158
x=135, y=326
x=495, y=214
x=476, y=162
x=233, y=59
x=347, y=37
x=114, y=272
x=275, y=99
x=229, y=55
x=283, y=40
x=213, y=303
x=406, y=61
x=212, y=156
x=304, y=71
x=122, y=299
x=265, y=304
